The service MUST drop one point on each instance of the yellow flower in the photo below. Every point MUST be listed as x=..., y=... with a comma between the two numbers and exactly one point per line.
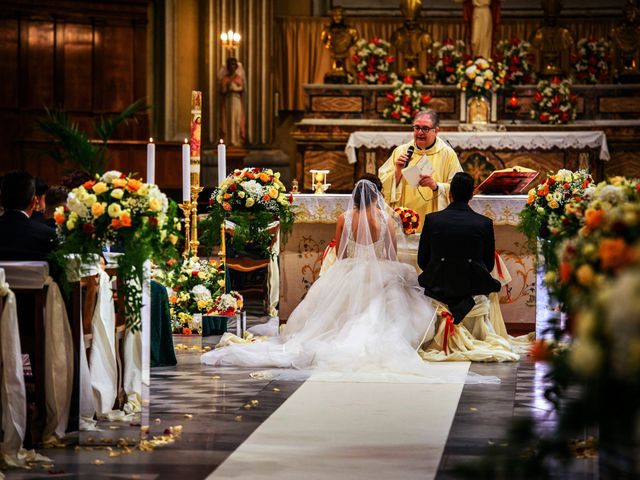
x=154, y=204
x=173, y=239
x=71, y=224
x=119, y=182
x=221, y=283
x=273, y=193
x=100, y=187
x=98, y=208
x=202, y=275
x=117, y=193
x=584, y=274
x=553, y=204
x=549, y=277
x=249, y=203
x=114, y=210
x=202, y=304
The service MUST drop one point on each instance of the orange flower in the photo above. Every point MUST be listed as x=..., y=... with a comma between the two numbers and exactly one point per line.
x=226, y=196
x=531, y=199
x=593, y=218
x=59, y=218
x=544, y=191
x=249, y=175
x=115, y=223
x=133, y=185
x=119, y=182
x=173, y=299
x=125, y=220
x=614, y=253
x=186, y=331
x=266, y=198
x=540, y=351
x=264, y=177
x=565, y=272
x=88, y=184
x=226, y=206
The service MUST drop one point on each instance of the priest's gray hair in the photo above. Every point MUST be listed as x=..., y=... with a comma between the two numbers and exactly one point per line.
x=431, y=114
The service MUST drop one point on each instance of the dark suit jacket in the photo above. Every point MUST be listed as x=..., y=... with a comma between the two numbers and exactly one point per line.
x=456, y=254
x=24, y=239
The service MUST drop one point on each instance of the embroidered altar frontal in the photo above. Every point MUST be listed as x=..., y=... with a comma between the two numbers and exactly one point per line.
x=301, y=257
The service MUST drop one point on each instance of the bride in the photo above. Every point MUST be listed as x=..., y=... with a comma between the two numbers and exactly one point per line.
x=366, y=316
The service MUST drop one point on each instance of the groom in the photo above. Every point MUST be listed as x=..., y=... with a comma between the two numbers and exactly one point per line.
x=456, y=252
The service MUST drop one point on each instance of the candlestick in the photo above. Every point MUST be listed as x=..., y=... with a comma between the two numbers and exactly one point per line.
x=185, y=206
x=151, y=162
x=195, y=142
x=186, y=172
x=222, y=162
x=513, y=101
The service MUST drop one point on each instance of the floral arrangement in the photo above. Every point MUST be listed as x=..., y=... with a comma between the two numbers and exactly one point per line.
x=553, y=102
x=448, y=56
x=592, y=60
x=119, y=209
x=409, y=218
x=607, y=242
x=598, y=364
x=196, y=287
x=372, y=60
x=550, y=213
x=227, y=304
x=252, y=199
x=406, y=100
x=480, y=77
x=516, y=56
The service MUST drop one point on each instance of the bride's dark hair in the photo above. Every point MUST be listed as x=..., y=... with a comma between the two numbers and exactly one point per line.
x=366, y=192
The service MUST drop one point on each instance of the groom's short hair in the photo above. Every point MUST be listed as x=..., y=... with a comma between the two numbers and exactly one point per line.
x=461, y=187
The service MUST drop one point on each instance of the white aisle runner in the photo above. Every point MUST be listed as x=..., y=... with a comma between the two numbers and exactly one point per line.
x=352, y=431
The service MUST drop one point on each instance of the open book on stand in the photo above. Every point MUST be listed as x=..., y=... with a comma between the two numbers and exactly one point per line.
x=508, y=181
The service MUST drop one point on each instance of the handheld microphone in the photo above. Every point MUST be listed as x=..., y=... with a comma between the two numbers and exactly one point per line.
x=409, y=153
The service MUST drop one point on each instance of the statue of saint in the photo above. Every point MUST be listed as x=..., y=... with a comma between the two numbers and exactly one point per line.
x=338, y=38
x=552, y=42
x=410, y=40
x=232, y=80
x=481, y=18
x=626, y=45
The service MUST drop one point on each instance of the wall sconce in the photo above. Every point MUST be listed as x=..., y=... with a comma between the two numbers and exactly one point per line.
x=230, y=40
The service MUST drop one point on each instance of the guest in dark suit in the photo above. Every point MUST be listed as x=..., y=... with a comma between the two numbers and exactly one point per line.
x=22, y=238
x=456, y=252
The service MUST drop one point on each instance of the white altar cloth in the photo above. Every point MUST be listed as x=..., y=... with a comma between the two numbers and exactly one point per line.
x=311, y=208
x=483, y=140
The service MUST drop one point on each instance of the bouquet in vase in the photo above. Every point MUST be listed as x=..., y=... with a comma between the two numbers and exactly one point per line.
x=516, y=56
x=227, y=304
x=409, y=218
x=372, y=60
x=480, y=77
x=553, y=102
x=197, y=285
x=448, y=55
x=592, y=60
x=406, y=100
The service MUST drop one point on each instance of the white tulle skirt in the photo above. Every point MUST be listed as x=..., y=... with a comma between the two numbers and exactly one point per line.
x=363, y=320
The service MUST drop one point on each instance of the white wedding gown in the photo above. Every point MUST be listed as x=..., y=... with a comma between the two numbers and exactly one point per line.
x=362, y=320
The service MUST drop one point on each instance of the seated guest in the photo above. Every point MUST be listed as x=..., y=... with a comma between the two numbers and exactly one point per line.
x=41, y=191
x=75, y=179
x=457, y=252
x=56, y=196
x=20, y=237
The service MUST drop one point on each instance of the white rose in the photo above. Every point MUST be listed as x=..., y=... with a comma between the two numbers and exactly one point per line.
x=117, y=193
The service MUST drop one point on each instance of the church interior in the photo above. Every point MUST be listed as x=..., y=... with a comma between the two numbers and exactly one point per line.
x=195, y=161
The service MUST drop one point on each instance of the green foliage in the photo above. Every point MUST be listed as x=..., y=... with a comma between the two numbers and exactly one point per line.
x=73, y=145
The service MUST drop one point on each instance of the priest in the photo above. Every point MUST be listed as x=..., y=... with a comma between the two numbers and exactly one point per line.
x=424, y=188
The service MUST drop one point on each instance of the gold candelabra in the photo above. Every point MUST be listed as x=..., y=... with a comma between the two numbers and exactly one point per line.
x=194, y=243
x=186, y=211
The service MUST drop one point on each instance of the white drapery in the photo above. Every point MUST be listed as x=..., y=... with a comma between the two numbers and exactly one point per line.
x=483, y=140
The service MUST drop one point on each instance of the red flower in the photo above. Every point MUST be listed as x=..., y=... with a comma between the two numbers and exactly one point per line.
x=391, y=59
x=356, y=59
x=88, y=228
x=291, y=198
x=382, y=77
x=408, y=80
x=537, y=97
x=544, y=117
x=514, y=41
x=153, y=221
x=564, y=117
x=194, y=273
x=371, y=70
x=395, y=115
x=426, y=98
x=360, y=75
x=233, y=187
x=390, y=97
x=375, y=40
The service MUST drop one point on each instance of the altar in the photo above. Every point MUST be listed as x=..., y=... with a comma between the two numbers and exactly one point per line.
x=314, y=228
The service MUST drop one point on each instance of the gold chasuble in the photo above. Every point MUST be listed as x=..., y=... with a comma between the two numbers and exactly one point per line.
x=423, y=200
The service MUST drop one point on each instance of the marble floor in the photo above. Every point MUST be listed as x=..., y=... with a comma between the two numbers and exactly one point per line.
x=221, y=411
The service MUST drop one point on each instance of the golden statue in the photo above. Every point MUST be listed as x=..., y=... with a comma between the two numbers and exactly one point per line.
x=410, y=40
x=338, y=38
x=626, y=45
x=552, y=42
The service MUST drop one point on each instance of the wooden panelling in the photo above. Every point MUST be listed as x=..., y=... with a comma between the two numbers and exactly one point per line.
x=117, y=67
x=439, y=104
x=9, y=61
x=619, y=104
x=341, y=172
x=39, y=64
x=337, y=104
x=78, y=74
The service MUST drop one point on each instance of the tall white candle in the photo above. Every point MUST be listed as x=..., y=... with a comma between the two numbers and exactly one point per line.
x=222, y=162
x=151, y=161
x=186, y=172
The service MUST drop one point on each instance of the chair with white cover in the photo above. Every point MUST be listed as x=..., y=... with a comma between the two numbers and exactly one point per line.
x=48, y=340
